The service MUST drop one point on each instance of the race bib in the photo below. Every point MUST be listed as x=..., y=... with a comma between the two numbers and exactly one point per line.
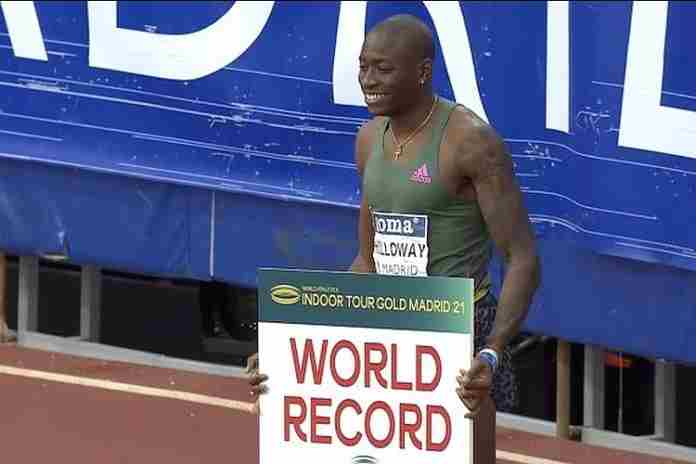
x=401, y=244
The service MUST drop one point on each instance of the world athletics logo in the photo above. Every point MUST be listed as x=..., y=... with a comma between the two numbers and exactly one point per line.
x=364, y=459
x=285, y=294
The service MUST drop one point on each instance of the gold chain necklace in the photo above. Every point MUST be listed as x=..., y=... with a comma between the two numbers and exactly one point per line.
x=400, y=149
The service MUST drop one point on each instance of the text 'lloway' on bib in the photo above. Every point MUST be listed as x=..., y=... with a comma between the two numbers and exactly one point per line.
x=401, y=244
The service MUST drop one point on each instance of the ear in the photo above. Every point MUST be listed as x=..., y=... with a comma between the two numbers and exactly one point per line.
x=426, y=71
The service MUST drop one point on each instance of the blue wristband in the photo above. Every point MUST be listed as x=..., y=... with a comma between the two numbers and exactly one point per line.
x=490, y=357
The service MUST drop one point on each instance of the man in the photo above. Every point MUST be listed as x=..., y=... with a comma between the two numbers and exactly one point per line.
x=433, y=160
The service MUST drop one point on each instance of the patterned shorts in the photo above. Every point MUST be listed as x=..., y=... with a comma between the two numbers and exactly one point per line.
x=504, y=391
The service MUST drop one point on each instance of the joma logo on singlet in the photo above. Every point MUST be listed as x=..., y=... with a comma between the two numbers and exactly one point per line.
x=394, y=226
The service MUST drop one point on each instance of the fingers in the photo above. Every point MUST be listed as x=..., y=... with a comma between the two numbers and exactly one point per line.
x=467, y=399
x=478, y=369
x=482, y=383
x=252, y=363
x=258, y=390
x=472, y=403
x=478, y=381
x=257, y=378
x=473, y=413
x=471, y=397
x=257, y=384
x=474, y=386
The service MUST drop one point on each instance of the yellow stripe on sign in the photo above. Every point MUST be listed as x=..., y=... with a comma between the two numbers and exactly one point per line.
x=242, y=406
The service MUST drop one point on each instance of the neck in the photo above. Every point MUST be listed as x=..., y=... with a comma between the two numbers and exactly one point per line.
x=408, y=120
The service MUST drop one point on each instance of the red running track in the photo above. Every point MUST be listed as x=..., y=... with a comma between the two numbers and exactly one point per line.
x=45, y=419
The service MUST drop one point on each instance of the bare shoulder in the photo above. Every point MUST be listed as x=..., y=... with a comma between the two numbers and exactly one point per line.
x=477, y=148
x=364, y=141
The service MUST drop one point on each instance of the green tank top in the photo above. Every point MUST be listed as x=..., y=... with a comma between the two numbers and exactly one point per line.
x=420, y=228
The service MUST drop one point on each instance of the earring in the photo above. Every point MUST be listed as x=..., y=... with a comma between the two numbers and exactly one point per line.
x=422, y=82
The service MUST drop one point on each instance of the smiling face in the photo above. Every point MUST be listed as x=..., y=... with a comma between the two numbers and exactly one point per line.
x=391, y=69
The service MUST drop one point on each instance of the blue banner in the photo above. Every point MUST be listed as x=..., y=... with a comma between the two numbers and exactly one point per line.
x=257, y=103
x=595, y=101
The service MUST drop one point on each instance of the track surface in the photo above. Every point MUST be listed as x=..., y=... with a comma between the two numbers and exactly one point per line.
x=48, y=419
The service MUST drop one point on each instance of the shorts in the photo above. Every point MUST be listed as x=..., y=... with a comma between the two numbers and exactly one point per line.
x=504, y=390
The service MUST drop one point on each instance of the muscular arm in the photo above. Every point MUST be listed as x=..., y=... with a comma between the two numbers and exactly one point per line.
x=486, y=162
x=363, y=261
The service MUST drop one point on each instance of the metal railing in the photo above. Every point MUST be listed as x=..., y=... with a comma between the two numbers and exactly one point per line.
x=592, y=431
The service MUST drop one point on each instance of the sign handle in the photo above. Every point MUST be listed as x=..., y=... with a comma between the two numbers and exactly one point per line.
x=4, y=330
x=563, y=390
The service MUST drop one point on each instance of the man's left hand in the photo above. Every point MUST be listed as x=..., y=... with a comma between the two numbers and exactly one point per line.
x=474, y=385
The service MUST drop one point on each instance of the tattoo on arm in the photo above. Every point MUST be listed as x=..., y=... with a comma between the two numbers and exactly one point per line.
x=502, y=206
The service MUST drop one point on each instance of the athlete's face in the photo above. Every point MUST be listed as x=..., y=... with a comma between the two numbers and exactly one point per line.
x=390, y=74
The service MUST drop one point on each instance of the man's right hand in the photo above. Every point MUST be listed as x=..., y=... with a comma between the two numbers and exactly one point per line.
x=5, y=334
x=256, y=379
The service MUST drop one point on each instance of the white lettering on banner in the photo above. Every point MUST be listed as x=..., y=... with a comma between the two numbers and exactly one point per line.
x=24, y=29
x=401, y=244
x=558, y=66
x=351, y=23
x=173, y=56
x=645, y=123
x=454, y=40
x=198, y=54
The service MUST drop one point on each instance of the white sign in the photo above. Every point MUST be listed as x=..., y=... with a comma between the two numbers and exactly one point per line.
x=348, y=395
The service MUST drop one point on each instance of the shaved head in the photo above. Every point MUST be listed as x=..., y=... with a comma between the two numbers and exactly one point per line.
x=396, y=64
x=409, y=32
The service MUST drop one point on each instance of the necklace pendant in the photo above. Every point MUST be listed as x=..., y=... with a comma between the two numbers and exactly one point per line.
x=397, y=153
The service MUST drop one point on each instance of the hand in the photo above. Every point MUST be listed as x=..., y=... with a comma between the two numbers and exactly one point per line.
x=255, y=378
x=5, y=335
x=474, y=386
